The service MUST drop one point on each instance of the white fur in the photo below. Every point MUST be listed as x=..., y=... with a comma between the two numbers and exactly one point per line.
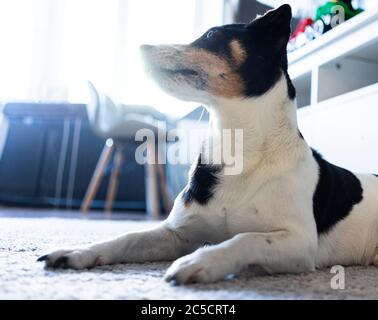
x=262, y=217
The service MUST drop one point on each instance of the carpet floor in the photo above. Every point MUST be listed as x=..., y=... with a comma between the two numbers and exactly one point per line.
x=22, y=240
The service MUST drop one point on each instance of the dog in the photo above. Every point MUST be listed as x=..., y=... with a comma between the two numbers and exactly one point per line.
x=289, y=211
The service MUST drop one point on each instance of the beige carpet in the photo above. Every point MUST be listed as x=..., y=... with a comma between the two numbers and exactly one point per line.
x=22, y=240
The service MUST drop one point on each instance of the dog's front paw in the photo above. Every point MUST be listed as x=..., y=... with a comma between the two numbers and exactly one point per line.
x=71, y=259
x=199, y=267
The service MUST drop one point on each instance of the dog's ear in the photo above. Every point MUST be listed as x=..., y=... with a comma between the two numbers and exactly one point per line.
x=277, y=17
x=275, y=24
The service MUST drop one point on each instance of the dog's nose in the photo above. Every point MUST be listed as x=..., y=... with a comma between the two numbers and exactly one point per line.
x=146, y=48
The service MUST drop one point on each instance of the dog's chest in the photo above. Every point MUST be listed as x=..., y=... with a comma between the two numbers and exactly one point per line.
x=261, y=203
x=238, y=209
x=246, y=217
x=221, y=218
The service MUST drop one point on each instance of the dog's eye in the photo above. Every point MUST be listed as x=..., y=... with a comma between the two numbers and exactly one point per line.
x=210, y=34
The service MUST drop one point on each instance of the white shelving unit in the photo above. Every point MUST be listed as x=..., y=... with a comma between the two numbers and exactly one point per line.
x=336, y=77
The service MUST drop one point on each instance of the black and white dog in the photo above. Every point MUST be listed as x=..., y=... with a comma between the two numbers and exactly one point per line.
x=288, y=211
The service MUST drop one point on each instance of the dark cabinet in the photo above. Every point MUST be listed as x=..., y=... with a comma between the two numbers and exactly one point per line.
x=49, y=156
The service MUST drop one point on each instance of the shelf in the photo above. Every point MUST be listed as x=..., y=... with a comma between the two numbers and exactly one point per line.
x=343, y=99
x=342, y=60
x=344, y=75
x=344, y=129
x=347, y=38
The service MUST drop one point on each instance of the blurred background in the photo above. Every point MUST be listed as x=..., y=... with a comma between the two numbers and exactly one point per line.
x=61, y=149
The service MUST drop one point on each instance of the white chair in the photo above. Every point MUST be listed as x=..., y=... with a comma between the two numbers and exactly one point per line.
x=118, y=124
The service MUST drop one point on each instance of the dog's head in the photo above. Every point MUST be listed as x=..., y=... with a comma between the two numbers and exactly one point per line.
x=232, y=61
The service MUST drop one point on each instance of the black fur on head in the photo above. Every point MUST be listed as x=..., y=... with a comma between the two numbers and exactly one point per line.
x=264, y=41
x=236, y=60
x=273, y=28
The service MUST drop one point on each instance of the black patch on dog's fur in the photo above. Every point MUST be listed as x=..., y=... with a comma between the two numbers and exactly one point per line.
x=338, y=190
x=376, y=175
x=202, y=183
x=264, y=41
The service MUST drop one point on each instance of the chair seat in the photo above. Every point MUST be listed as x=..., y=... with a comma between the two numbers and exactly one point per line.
x=130, y=125
x=110, y=120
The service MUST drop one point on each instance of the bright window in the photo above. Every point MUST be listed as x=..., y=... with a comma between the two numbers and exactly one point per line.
x=49, y=47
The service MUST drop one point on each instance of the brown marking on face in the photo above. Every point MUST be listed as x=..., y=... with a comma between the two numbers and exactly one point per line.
x=223, y=79
x=238, y=52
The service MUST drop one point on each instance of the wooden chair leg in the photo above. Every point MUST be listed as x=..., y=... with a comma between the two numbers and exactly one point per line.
x=167, y=202
x=98, y=175
x=152, y=193
x=113, y=183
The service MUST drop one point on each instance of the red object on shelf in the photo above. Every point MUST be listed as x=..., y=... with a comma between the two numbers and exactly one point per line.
x=303, y=24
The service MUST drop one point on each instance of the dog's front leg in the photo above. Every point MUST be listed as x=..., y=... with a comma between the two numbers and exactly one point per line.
x=158, y=244
x=276, y=252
